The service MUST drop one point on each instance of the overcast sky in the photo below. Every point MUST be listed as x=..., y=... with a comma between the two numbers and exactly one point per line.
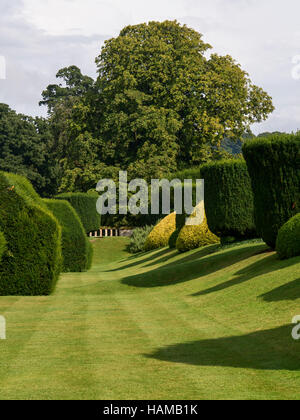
x=38, y=37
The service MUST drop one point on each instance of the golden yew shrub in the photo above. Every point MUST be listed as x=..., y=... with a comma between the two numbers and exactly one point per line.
x=160, y=234
x=192, y=237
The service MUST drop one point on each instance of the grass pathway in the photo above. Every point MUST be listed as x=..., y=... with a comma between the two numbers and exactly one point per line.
x=158, y=326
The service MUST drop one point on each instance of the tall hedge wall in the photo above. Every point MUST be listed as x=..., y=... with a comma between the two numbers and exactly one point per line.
x=2, y=244
x=76, y=248
x=229, y=199
x=274, y=166
x=85, y=206
x=32, y=262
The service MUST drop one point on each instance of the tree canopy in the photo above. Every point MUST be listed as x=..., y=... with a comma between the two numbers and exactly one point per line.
x=73, y=84
x=161, y=102
x=159, y=95
x=25, y=149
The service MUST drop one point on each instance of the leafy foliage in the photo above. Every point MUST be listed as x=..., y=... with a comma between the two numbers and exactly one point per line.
x=74, y=147
x=274, y=166
x=25, y=149
x=159, y=93
x=160, y=234
x=229, y=199
x=75, y=85
x=232, y=147
x=288, y=239
x=32, y=261
x=76, y=248
x=85, y=206
x=138, y=239
x=187, y=173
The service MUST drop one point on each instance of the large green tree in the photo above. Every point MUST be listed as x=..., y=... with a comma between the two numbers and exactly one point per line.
x=160, y=103
x=159, y=91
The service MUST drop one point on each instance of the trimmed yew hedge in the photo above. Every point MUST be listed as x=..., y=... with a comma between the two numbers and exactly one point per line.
x=85, y=206
x=229, y=199
x=2, y=245
x=76, y=248
x=32, y=261
x=274, y=166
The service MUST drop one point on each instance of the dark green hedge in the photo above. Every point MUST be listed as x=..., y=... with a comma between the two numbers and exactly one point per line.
x=173, y=238
x=274, y=166
x=76, y=248
x=2, y=244
x=181, y=218
x=141, y=220
x=85, y=205
x=180, y=222
x=32, y=261
x=229, y=199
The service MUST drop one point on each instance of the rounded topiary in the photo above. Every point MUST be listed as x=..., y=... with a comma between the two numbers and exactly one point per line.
x=288, y=239
x=32, y=262
x=2, y=244
x=160, y=234
x=76, y=248
x=192, y=237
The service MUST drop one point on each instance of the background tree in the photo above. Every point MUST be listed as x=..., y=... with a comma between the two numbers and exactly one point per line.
x=73, y=85
x=25, y=145
x=70, y=117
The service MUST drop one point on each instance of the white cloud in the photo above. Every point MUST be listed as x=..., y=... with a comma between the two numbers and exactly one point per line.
x=68, y=17
x=65, y=17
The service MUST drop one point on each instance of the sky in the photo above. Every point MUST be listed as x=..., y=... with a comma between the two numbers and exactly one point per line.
x=38, y=37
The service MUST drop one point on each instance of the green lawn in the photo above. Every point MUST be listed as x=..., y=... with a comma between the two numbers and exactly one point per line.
x=204, y=324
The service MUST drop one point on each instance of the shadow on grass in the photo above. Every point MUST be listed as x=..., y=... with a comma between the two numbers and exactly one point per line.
x=289, y=291
x=264, y=266
x=161, y=256
x=264, y=350
x=203, y=252
x=185, y=270
x=149, y=256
